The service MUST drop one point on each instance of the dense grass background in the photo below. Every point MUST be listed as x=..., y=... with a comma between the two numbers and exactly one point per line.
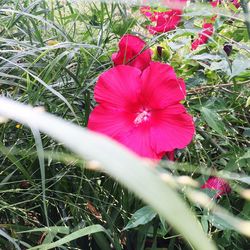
x=51, y=53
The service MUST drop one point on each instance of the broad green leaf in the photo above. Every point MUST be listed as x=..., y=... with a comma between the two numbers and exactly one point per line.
x=141, y=217
x=134, y=173
x=213, y=119
x=205, y=56
x=221, y=65
x=246, y=155
x=218, y=222
x=239, y=65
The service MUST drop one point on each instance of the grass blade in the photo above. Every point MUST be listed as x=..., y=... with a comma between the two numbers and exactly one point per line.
x=126, y=167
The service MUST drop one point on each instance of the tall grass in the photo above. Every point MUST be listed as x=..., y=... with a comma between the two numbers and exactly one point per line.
x=64, y=187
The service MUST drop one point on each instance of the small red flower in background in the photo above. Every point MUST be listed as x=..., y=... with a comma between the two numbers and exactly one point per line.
x=165, y=21
x=207, y=28
x=130, y=52
x=207, y=31
x=142, y=109
x=216, y=3
x=217, y=184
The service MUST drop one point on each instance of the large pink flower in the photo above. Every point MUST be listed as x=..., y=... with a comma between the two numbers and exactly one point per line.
x=142, y=110
x=220, y=185
x=132, y=52
x=207, y=31
x=165, y=21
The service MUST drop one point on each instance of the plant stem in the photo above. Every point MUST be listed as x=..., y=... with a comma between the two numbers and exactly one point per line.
x=244, y=5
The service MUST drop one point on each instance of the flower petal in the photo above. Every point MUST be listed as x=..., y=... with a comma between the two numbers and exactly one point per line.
x=160, y=86
x=131, y=52
x=119, y=87
x=110, y=121
x=120, y=126
x=165, y=21
x=220, y=185
x=172, y=128
x=207, y=31
x=139, y=141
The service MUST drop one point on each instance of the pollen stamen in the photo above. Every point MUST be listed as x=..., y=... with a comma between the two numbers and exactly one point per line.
x=142, y=116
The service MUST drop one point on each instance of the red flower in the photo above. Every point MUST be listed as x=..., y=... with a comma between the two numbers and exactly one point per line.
x=142, y=109
x=215, y=3
x=130, y=52
x=207, y=31
x=217, y=184
x=165, y=21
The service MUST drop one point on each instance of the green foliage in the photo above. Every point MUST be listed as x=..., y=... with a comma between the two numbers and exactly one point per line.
x=51, y=55
x=141, y=217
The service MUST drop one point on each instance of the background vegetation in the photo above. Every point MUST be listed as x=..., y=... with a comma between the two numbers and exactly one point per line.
x=51, y=53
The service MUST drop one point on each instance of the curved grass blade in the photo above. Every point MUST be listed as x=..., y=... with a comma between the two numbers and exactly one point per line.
x=10, y=239
x=73, y=236
x=130, y=170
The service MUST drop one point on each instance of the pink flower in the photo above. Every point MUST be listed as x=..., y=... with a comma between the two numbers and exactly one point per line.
x=217, y=184
x=165, y=21
x=130, y=52
x=215, y=3
x=142, y=109
x=207, y=31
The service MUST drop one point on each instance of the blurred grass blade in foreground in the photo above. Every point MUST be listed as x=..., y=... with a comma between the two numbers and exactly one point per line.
x=127, y=168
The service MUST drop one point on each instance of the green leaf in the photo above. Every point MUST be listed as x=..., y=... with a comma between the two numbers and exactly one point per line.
x=213, y=120
x=239, y=65
x=205, y=57
x=246, y=155
x=218, y=222
x=141, y=217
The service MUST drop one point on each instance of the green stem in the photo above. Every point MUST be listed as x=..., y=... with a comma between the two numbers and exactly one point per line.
x=244, y=5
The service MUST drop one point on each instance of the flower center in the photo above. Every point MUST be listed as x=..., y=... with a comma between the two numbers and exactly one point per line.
x=142, y=116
